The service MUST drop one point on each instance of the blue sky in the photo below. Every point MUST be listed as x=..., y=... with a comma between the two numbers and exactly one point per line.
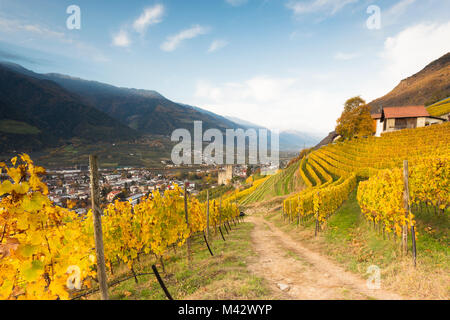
x=285, y=64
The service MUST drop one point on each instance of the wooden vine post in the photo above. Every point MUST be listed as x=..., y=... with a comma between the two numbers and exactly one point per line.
x=405, y=206
x=188, y=240
x=207, y=215
x=219, y=212
x=407, y=216
x=220, y=209
x=98, y=233
x=317, y=218
x=235, y=201
x=290, y=211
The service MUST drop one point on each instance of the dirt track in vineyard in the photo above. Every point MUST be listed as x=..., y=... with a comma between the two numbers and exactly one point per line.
x=301, y=273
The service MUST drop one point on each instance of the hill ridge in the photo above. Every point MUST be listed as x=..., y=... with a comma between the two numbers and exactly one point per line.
x=425, y=87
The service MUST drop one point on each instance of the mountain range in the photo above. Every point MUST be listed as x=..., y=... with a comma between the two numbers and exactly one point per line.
x=48, y=110
x=39, y=111
x=290, y=140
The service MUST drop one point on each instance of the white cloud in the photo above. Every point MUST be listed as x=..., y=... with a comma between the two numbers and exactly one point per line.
x=236, y=3
x=121, y=39
x=328, y=6
x=173, y=42
x=47, y=38
x=273, y=102
x=151, y=15
x=217, y=45
x=346, y=56
x=8, y=25
x=413, y=48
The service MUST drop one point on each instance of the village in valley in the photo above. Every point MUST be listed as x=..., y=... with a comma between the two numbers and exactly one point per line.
x=132, y=184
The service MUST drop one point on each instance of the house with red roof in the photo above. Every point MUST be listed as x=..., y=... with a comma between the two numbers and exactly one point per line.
x=113, y=195
x=398, y=118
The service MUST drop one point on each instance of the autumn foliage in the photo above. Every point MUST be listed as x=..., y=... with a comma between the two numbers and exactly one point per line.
x=355, y=119
x=47, y=252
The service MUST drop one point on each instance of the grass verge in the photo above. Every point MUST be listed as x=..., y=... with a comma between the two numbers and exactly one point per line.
x=223, y=276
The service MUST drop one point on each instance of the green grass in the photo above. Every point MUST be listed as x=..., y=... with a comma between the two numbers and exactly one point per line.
x=433, y=230
x=17, y=127
x=224, y=276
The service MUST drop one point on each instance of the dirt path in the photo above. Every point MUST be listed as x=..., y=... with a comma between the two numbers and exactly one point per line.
x=295, y=272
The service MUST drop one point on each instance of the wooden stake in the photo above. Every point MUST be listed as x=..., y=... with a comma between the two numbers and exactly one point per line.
x=207, y=214
x=290, y=212
x=405, y=206
x=220, y=210
x=236, y=203
x=317, y=220
x=188, y=240
x=134, y=275
x=413, y=237
x=98, y=233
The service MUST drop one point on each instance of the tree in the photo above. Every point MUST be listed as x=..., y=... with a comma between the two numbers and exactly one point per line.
x=353, y=103
x=355, y=119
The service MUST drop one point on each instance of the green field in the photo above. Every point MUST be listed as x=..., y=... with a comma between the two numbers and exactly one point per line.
x=121, y=154
x=17, y=127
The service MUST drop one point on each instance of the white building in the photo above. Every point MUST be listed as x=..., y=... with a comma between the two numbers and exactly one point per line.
x=397, y=118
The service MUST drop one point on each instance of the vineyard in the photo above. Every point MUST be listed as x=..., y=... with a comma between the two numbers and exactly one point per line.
x=48, y=252
x=279, y=184
x=440, y=108
x=331, y=173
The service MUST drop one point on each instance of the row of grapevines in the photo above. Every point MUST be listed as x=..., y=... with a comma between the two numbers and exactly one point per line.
x=303, y=174
x=39, y=241
x=439, y=108
x=381, y=197
x=238, y=195
x=43, y=246
x=321, y=201
x=366, y=158
x=313, y=175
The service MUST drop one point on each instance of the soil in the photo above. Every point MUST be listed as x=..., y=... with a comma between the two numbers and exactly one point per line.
x=295, y=272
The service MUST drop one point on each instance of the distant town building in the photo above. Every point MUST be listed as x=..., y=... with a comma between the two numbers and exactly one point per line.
x=136, y=199
x=225, y=176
